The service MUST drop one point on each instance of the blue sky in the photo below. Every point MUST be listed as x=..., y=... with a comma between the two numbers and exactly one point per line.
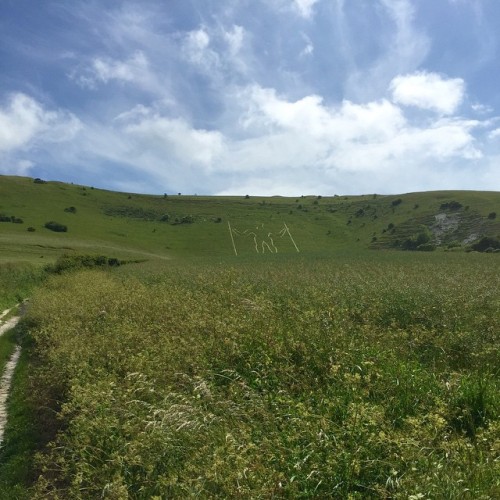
x=262, y=97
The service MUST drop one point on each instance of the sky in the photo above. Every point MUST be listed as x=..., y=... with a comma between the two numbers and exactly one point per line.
x=258, y=97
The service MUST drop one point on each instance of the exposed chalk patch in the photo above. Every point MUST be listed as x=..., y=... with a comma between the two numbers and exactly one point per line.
x=5, y=383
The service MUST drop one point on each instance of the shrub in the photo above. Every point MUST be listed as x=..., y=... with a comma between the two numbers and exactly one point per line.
x=492, y=215
x=70, y=210
x=485, y=243
x=426, y=247
x=55, y=226
x=11, y=218
x=397, y=202
x=39, y=181
x=451, y=205
x=420, y=241
x=73, y=262
x=187, y=219
x=31, y=229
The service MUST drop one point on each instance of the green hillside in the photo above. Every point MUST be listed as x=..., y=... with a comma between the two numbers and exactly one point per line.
x=133, y=226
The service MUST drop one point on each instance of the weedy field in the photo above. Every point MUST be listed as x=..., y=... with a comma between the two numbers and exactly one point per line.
x=350, y=377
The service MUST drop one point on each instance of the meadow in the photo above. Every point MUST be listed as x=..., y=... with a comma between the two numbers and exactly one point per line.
x=368, y=375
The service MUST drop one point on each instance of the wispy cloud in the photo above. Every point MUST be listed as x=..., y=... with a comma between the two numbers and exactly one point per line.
x=102, y=70
x=402, y=50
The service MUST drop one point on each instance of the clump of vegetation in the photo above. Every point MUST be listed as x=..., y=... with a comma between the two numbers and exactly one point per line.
x=73, y=262
x=492, y=215
x=56, y=227
x=420, y=241
x=11, y=218
x=397, y=202
x=132, y=212
x=70, y=210
x=186, y=219
x=39, y=181
x=486, y=244
x=451, y=205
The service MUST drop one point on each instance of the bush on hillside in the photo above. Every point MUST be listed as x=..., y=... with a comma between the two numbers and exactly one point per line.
x=73, y=262
x=11, y=218
x=485, y=244
x=420, y=241
x=55, y=226
x=451, y=205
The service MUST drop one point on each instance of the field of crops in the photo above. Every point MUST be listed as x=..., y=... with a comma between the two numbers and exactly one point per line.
x=373, y=376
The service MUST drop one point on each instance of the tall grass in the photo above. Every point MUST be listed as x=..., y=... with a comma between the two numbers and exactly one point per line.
x=295, y=379
x=17, y=280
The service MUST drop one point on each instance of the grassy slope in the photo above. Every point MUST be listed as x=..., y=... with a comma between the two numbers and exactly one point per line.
x=317, y=225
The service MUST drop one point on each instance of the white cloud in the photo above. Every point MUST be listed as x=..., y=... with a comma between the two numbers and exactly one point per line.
x=130, y=70
x=353, y=137
x=302, y=8
x=196, y=50
x=428, y=91
x=283, y=146
x=494, y=134
x=481, y=109
x=309, y=46
x=24, y=122
x=176, y=140
x=305, y=7
x=234, y=39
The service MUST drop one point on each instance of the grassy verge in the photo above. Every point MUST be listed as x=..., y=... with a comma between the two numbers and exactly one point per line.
x=7, y=346
x=20, y=437
x=17, y=280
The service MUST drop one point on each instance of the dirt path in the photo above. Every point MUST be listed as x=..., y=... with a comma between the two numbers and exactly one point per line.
x=6, y=380
x=9, y=324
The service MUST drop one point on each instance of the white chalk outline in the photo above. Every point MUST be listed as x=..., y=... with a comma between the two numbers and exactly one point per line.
x=271, y=246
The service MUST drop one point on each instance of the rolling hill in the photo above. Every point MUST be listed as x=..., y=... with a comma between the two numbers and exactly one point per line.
x=135, y=226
